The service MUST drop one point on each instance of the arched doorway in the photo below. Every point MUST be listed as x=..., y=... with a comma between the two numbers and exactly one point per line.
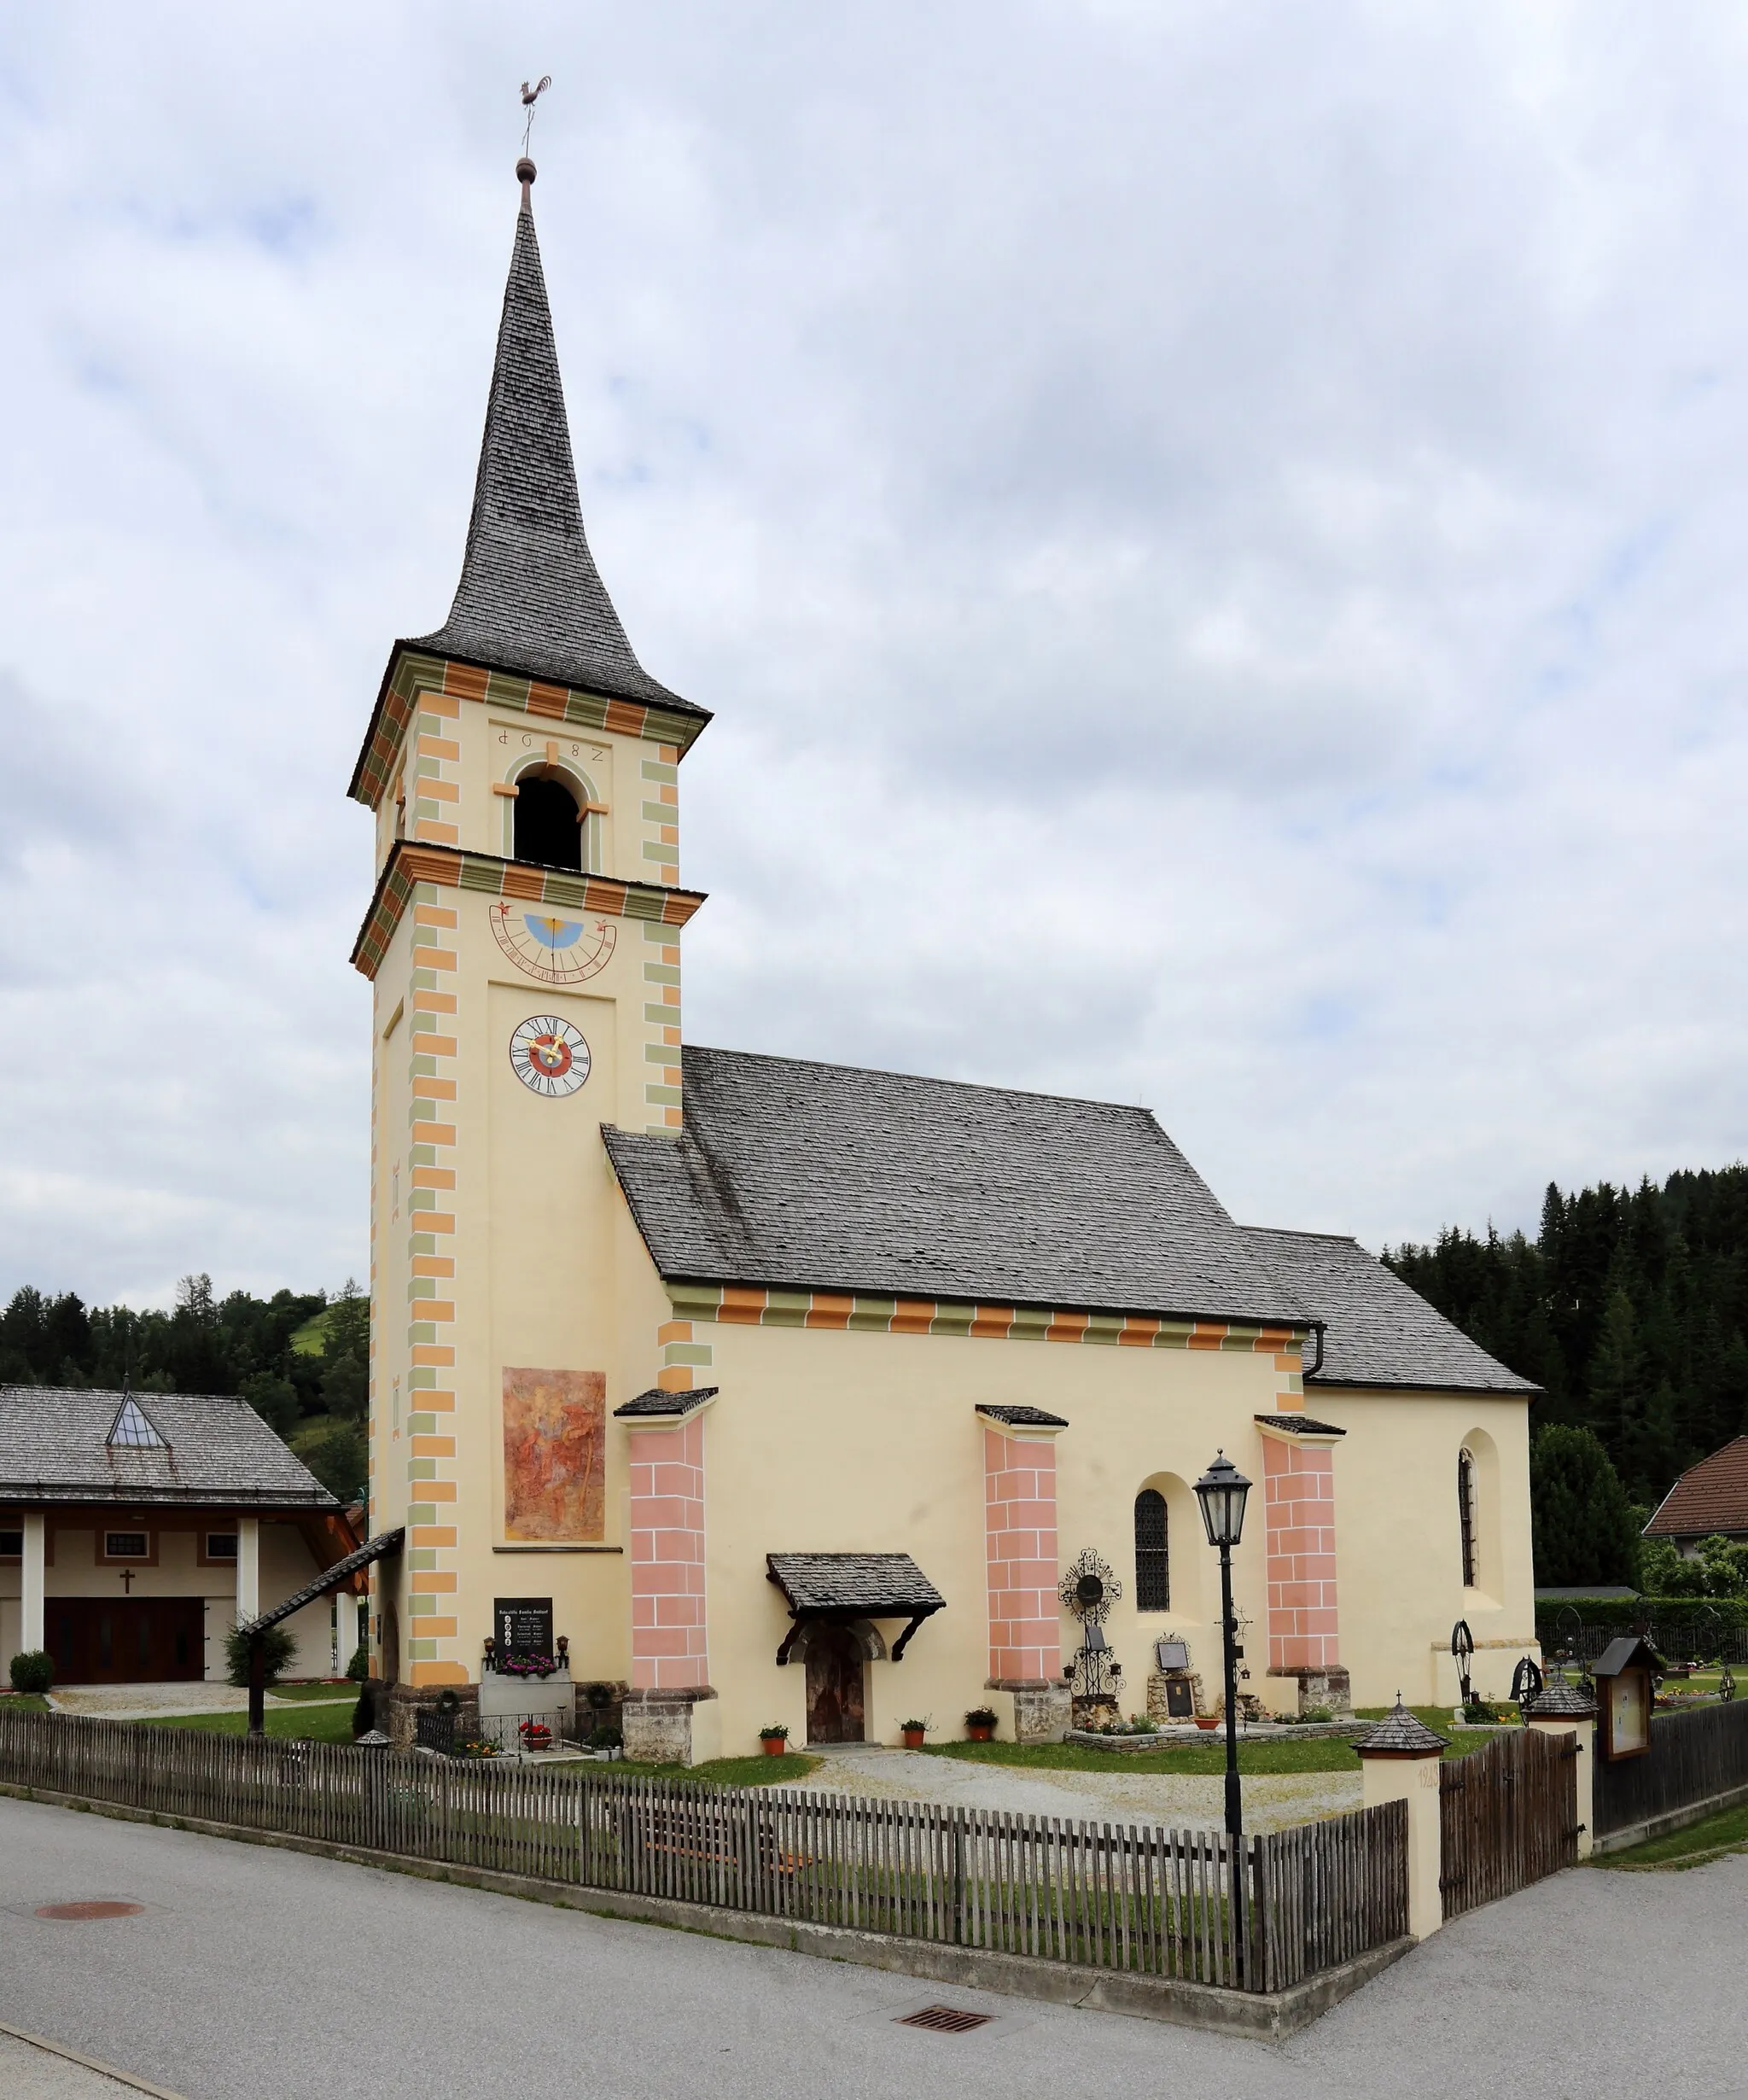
x=834, y=1686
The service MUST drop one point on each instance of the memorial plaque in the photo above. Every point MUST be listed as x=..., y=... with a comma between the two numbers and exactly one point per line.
x=523, y=1625
x=1172, y=1654
x=1179, y=1699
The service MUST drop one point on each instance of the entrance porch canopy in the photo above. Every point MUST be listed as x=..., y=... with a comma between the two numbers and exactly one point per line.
x=841, y=1588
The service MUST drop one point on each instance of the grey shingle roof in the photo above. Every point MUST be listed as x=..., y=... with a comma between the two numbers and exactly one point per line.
x=217, y=1451
x=1400, y=1734
x=530, y=598
x=879, y=1585
x=1558, y=1697
x=1023, y=1418
x=378, y=1548
x=657, y=1403
x=1379, y=1333
x=1299, y=1425
x=804, y=1176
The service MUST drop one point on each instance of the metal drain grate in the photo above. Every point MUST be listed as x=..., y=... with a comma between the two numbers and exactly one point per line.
x=79, y=1911
x=945, y=2019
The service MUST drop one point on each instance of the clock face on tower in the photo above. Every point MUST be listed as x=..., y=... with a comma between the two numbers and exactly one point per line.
x=548, y=1055
x=557, y=951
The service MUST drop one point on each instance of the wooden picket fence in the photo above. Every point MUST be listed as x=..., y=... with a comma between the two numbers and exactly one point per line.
x=1508, y=1815
x=1161, y=1903
x=1694, y=1757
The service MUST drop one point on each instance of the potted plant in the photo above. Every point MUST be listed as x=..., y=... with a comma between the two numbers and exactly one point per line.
x=913, y=1732
x=774, y=1739
x=980, y=1724
x=536, y=1736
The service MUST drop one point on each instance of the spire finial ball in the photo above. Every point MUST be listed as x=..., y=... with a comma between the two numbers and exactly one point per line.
x=524, y=171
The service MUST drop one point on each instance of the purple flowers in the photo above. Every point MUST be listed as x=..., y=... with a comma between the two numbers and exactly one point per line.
x=525, y=1665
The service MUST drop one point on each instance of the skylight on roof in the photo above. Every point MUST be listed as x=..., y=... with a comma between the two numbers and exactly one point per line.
x=131, y=1430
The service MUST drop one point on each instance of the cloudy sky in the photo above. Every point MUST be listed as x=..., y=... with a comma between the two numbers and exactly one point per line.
x=1214, y=536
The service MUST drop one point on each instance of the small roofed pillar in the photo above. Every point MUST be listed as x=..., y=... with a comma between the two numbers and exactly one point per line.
x=1561, y=1709
x=1304, y=1628
x=667, y=1720
x=1021, y=1558
x=33, y=1590
x=1399, y=1759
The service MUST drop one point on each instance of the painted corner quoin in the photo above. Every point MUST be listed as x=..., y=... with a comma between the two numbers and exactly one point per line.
x=411, y=863
x=411, y=674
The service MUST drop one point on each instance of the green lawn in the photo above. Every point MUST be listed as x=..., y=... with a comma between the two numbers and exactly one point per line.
x=759, y=1771
x=1691, y=1847
x=322, y=1689
x=1316, y=1753
x=23, y=1702
x=315, y=1723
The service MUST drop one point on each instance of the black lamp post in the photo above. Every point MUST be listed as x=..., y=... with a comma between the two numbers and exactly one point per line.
x=1221, y=1492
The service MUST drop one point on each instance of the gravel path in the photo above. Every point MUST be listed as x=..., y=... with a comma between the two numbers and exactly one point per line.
x=139, y=1702
x=1177, y=1801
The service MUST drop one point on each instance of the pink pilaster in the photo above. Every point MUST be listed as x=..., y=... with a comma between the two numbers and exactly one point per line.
x=1019, y=1489
x=670, y=1631
x=1298, y=1482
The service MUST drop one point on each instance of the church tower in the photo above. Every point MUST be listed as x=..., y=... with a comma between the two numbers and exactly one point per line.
x=523, y=943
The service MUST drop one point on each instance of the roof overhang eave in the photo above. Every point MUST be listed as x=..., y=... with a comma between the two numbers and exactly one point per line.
x=412, y=643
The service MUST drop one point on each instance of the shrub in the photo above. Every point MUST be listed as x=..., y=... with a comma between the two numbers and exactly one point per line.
x=777, y=1728
x=278, y=1648
x=364, y=1715
x=980, y=1717
x=32, y=1671
x=605, y=1738
x=359, y=1667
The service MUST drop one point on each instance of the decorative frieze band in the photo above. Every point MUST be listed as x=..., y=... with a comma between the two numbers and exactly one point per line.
x=410, y=864
x=745, y=1305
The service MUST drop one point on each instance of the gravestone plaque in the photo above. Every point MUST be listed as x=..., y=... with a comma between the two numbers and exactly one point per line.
x=1179, y=1699
x=523, y=1626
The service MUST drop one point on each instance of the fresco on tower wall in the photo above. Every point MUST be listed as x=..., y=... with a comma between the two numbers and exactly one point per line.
x=555, y=1455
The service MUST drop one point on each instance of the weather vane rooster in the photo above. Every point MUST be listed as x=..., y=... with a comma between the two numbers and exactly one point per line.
x=530, y=96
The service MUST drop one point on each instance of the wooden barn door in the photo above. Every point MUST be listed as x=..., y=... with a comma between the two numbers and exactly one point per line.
x=834, y=1686
x=1507, y=1814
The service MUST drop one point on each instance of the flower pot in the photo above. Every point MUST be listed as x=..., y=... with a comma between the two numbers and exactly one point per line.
x=913, y=1738
x=977, y=1732
x=774, y=1745
x=1207, y=1721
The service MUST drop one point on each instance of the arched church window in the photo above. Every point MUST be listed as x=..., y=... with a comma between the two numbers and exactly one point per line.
x=548, y=829
x=1152, y=1553
x=1465, y=1513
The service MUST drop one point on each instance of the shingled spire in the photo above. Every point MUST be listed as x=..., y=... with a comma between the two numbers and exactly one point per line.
x=530, y=598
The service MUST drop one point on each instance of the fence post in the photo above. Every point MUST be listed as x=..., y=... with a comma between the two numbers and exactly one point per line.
x=1399, y=1759
x=959, y=1877
x=1560, y=1709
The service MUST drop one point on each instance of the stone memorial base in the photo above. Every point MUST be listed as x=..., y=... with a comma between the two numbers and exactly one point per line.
x=507, y=1701
x=1159, y=1698
x=673, y=1727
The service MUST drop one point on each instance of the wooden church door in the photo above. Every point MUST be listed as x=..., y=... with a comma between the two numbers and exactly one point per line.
x=834, y=1686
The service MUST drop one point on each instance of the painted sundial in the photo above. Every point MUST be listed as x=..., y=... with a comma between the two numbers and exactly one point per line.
x=557, y=950
x=548, y=1055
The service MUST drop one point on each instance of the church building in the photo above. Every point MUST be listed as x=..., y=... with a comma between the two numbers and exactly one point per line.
x=790, y=1392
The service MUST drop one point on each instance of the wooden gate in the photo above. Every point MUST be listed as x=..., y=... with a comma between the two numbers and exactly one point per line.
x=1507, y=1814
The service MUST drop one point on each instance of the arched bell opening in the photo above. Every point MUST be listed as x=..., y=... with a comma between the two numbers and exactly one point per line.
x=547, y=826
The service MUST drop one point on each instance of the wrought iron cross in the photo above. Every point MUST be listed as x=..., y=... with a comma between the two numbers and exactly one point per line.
x=127, y=1581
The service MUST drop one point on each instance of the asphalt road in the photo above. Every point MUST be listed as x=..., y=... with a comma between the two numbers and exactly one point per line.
x=253, y=1974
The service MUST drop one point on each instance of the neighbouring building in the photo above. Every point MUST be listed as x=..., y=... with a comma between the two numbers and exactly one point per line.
x=1709, y=1501
x=137, y=1529
x=794, y=1390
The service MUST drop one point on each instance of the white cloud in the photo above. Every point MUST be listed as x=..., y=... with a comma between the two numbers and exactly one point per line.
x=1213, y=539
